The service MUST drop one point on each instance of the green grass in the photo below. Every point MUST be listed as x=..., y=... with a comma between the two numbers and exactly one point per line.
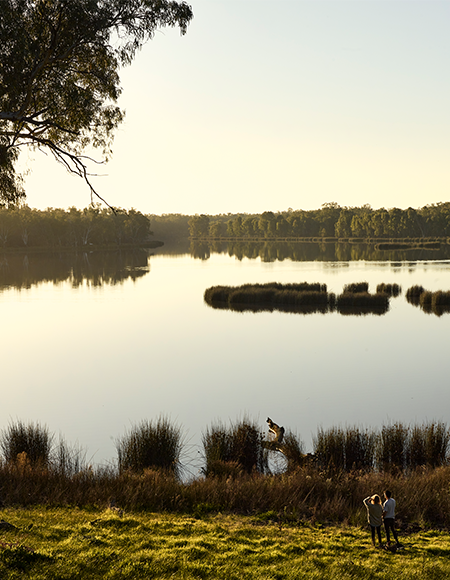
x=69, y=543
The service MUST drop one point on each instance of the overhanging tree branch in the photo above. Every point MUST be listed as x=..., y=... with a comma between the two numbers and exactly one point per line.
x=59, y=76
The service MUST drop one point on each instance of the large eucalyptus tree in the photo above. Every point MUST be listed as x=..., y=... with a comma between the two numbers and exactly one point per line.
x=59, y=76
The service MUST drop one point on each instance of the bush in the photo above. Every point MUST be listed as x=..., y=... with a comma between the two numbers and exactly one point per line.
x=151, y=446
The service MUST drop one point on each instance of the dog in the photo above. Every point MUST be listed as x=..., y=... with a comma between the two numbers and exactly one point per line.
x=276, y=430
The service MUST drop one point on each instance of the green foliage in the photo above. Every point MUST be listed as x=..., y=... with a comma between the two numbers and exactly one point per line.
x=334, y=223
x=73, y=228
x=59, y=75
x=155, y=445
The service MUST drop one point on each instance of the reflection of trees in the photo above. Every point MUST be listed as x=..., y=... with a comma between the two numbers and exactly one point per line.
x=96, y=268
x=269, y=251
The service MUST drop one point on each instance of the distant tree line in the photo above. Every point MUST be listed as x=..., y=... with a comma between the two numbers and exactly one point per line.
x=330, y=221
x=73, y=228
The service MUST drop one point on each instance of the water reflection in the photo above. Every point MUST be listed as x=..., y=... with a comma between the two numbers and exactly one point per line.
x=96, y=269
x=269, y=251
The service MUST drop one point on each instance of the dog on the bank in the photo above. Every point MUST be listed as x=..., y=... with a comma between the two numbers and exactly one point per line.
x=276, y=430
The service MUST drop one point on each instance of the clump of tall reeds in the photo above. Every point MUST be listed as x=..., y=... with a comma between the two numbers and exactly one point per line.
x=302, y=297
x=430, y=302
x=328, y=448
x=293, y=450
x=68, y=460
x=413, y=294
x=151, y=445
x=389, y=289
x=392, y=447
x=395, y=448
x=356, y=287
x=27, y=442
x=346, y=449
x=362, y=302
x=428, y=444
x=233, y=449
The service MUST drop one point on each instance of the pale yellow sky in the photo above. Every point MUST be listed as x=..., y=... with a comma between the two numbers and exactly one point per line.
x=265, y=106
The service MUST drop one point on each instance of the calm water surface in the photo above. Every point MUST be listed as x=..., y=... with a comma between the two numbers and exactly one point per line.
x=94, y=346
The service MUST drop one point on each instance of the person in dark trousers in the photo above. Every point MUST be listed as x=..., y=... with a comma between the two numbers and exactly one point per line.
x=389, y=518
x=374, y=516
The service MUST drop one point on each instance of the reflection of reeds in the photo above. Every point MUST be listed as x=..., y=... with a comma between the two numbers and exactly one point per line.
x=389, y=289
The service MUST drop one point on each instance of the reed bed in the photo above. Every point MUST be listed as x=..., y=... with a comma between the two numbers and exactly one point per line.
x=235, y=449
x=151, y=445
x=31, y=441
x=302, y=298
x=349, y=464
x=307, y=494
x=356, y=288
x=393, y=290
x=437, y=302
x=394, y=448
x=362, y=302
x=413, y=294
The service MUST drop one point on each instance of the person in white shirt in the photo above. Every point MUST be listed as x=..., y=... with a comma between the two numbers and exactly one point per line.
x=389, y=517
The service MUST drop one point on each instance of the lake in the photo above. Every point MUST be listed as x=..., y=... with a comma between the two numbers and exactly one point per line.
x=91, y=344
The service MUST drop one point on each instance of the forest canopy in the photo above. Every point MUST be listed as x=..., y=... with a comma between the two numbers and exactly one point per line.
x=330, y=221
x=59, y=76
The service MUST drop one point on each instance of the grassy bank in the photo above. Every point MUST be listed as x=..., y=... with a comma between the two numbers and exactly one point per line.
x=305, y=496
x=73, y=543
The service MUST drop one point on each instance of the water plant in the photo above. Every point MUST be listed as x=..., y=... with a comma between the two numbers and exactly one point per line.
x=389, y=289
x=233, y=449
x=392, y=447
x=359, y=302
x=356, y=287
x=413, y=294
x=151, y=444
x=26, y=442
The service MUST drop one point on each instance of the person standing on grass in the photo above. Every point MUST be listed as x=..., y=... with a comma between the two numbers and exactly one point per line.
x=389, y=518
x=374, y=516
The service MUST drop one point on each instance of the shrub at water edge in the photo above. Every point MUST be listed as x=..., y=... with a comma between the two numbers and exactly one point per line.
x=151, y=445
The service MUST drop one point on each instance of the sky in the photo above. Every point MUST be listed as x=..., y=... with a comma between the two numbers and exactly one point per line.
x=269, y=105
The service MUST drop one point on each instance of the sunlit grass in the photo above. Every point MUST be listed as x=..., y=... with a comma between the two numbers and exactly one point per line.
x=72, y=543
